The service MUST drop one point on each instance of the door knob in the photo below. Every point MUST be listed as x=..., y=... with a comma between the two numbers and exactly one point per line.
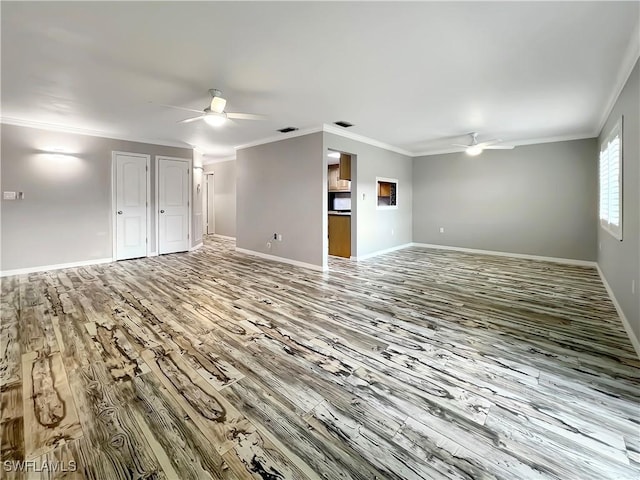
x=161, y=211
x=119, y=212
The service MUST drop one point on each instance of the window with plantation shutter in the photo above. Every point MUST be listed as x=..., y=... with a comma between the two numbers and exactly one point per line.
x=611, y=182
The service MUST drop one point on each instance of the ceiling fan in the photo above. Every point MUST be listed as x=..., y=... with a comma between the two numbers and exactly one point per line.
x=214, y=113
x=475, y=148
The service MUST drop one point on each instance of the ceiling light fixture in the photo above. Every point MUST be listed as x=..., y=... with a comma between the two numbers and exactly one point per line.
x=215, y=119
x=334, y=155
x=473, y=150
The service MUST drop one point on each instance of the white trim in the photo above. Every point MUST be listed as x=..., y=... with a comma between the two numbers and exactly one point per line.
x=279, y=138
x=189, y=162
x=282, y=259
x=382, y=252
x=114, y=239
x=567, y=261
x=616, y=131
x=210, y=161
x=222, y=236
x=52, y=127
x=386, y=180
x=625, y=322
x=58, y=266
x=515, y=143
x=196, y=247
x=362, y=139
x=631, y=55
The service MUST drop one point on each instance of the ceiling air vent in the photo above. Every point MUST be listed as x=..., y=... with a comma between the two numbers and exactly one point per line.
x=288, y=129
x=343, y=124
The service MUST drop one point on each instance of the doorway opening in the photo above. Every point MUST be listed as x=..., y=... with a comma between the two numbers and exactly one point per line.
x=341, y=211
x=209, y=205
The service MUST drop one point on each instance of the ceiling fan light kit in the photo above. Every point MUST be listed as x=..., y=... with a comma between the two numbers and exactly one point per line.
x=215, y=119
x=475, y=148
x=214, y=114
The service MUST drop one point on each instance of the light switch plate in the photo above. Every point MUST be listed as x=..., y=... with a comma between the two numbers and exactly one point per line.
x=8, y=195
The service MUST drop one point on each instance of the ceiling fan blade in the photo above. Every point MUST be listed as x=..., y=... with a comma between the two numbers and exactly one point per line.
x=218, y=104
x=459, y=145
x=179, y=108
x=489, y=142
x=245, y=116
x=499, y=147
x=192, y=119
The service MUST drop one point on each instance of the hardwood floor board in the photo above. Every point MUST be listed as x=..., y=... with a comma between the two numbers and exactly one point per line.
x=233, y=436
x=481, y=463
x=416, y=364
x=184, y=446
x=10, y=351
x=275, y=416
x=48, y=405
x=11, y=447
x=546, y=447
x=392, y=460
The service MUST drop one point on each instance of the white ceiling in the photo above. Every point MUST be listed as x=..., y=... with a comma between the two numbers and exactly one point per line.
x=414, y=75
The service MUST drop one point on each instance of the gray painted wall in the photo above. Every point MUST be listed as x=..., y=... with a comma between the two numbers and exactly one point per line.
x=66, y=214
x=620, y=260
x=280, y=189
x=376, y=229
x=536, y=199
x=224, y=197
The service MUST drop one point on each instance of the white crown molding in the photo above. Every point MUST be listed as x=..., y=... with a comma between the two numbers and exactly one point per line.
x=362, y=139
x=278, y=138
x=517, y=143
x=86, y=131
x=631, y=55
x=211, y=161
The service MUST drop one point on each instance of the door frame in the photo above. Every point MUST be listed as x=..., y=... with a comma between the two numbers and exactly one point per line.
x=189, y=162
x=114, y=176
x=210, y=192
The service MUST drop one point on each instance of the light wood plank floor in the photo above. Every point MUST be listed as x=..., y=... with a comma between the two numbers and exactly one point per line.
x=420, y=364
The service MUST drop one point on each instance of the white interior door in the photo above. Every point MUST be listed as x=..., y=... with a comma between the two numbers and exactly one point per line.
x=211, y=219
x=173, y=205
x=130, y=206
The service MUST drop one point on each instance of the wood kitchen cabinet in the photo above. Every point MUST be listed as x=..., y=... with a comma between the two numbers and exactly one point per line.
x=345, y=167
x=335, y=183
x=340, y=235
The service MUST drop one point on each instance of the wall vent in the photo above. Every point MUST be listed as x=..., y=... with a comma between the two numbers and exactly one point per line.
x=288, y=129
x=343, y=124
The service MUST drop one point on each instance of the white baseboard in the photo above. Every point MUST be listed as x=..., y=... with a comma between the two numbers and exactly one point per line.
x=281, y=259
x=382, y=252
x=58, y=266
x=152, y=254
x=625, y=322
x=567, y=261
x=195, y=247
x=224, y=236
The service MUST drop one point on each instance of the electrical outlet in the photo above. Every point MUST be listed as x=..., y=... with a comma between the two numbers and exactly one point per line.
x=8, y=195
x=279, y=237
x=275, y=236
x=441, y=229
